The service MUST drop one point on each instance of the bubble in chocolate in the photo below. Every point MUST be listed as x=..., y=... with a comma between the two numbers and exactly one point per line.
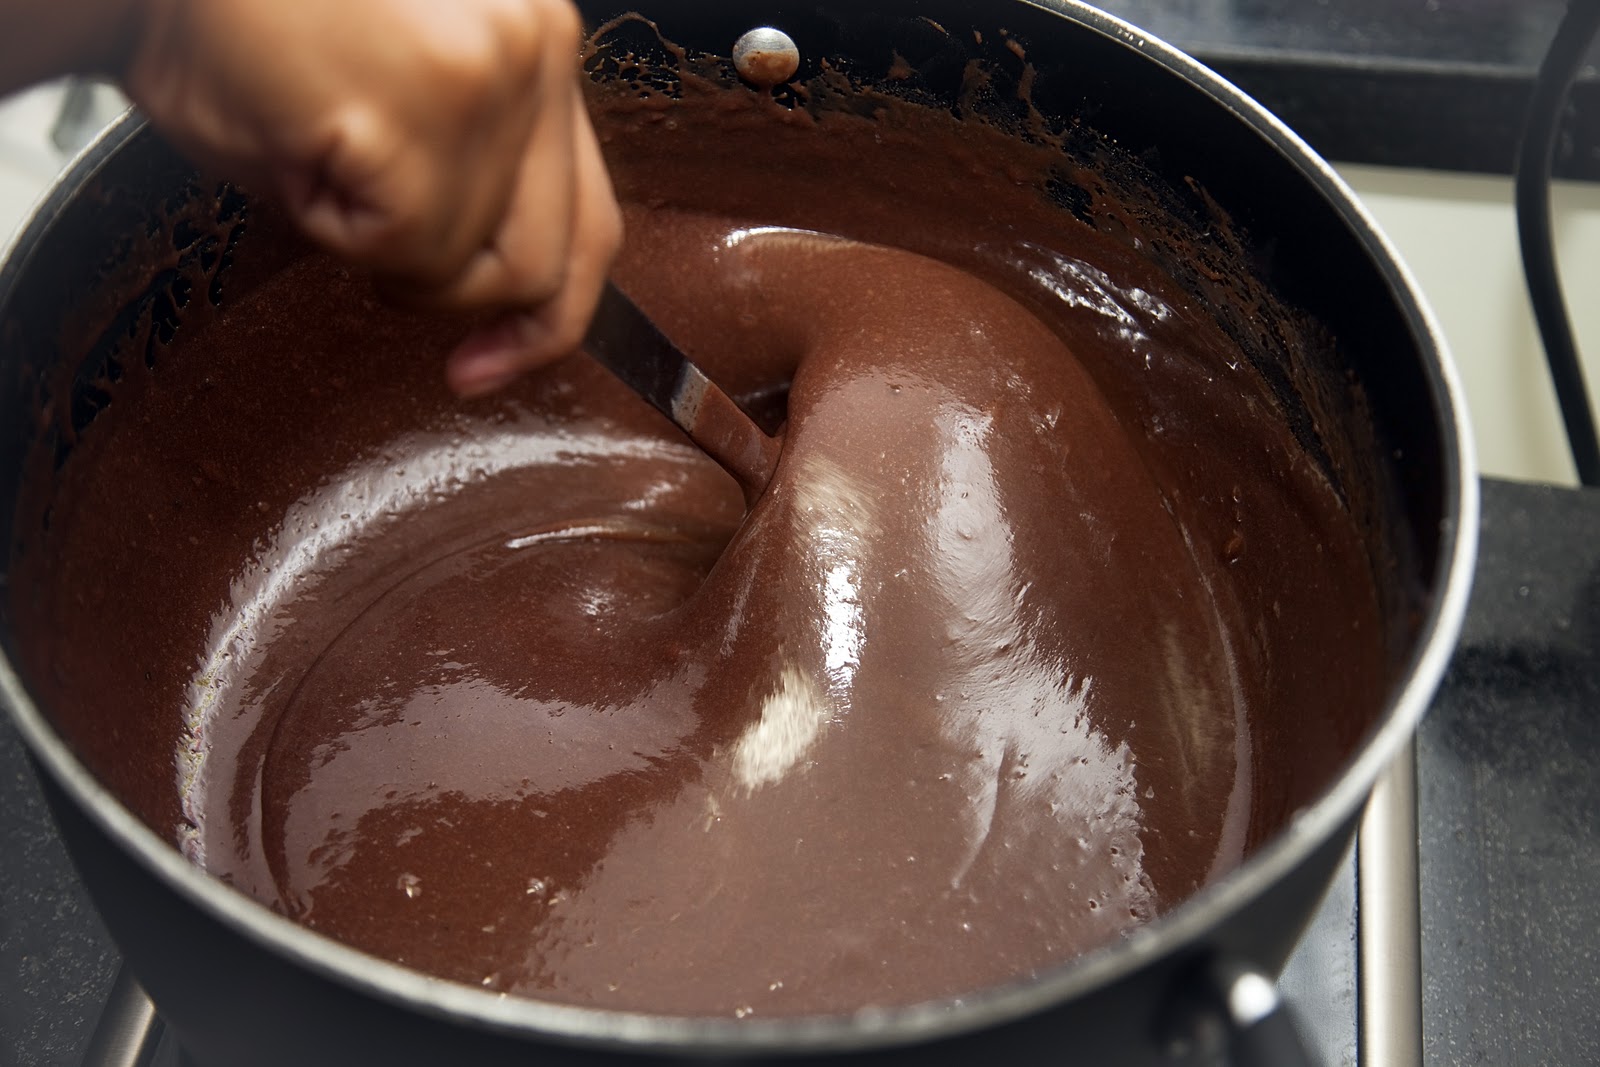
x=766, y=57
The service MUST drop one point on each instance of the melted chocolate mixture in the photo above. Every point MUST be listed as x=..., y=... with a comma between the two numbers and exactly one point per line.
x=519, y=693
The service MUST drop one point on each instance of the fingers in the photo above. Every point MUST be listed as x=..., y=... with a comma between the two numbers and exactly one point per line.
x=542, y=249
x=520, y=259
x=419, y=182
x=540, y=332
x=450, y=152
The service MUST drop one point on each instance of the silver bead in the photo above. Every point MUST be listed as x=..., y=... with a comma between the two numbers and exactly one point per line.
x=766, y=57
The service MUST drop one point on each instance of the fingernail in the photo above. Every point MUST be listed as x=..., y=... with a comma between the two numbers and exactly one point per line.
x=479, y=366
x=494, y=356
x=472, y=388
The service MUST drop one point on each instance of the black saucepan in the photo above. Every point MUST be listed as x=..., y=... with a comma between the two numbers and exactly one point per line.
x=242, y=985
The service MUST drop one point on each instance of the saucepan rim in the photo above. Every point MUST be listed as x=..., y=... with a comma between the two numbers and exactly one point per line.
x=1187, y=924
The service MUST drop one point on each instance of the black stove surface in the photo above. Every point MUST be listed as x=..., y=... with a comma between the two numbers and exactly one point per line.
x=56, y=960
x=1508, y=796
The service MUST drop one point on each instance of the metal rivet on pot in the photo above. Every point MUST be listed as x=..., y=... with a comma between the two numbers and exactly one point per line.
x=766, y=57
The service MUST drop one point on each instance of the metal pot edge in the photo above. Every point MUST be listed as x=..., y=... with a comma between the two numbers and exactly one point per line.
x=1186, y=925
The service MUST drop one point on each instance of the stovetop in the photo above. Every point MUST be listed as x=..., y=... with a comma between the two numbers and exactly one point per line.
x=1508, y=817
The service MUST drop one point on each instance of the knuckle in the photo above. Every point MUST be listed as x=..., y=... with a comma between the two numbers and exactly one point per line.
x=361, y=197
x=560, y=26
x=539, y=284
x=463, y=73
x=510, y=45
x=464, y=69
x=488, y=61
x=517, y=33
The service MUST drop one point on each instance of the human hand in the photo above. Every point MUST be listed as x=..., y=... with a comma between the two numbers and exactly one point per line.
x=444, y=145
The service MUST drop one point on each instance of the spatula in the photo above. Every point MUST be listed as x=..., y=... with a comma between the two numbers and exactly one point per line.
x=627, y=343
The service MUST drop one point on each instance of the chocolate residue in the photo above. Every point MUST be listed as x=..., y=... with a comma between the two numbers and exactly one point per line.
x=1007, y=660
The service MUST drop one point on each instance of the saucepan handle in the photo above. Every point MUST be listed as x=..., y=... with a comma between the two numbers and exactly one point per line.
x=1260, y=1030
x=1234, y=1009
x=129, y=1031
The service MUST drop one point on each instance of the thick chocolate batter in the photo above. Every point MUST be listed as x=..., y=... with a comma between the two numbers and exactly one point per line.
x=519, y=693
x=879, y=741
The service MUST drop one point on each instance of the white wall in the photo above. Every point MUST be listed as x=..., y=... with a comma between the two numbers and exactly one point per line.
x=1458, y=236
